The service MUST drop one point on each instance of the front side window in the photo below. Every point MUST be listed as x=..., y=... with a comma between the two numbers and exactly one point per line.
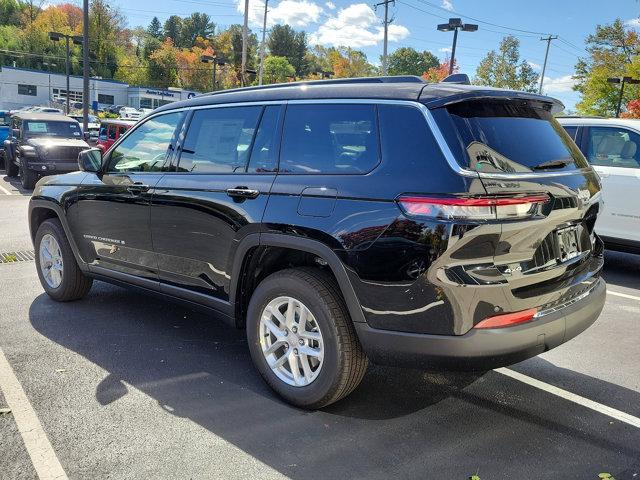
x=112, y=132
x=102, y=135
x=147, y=147
x=219, y=140
x=613, y=147
x=320, y=139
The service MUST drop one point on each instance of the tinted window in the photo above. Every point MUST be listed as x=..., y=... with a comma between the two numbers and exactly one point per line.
x=509, y=136
x=44, y=128
x=329, y=139
x=613, y=147
x=264, y=154
x=112, y=132
x=146, y=148
x=219, y=139
x=103, y=132
x=571, y=131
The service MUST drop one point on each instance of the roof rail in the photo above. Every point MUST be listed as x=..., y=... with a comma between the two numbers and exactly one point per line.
x=460, y=78
x=335, y=81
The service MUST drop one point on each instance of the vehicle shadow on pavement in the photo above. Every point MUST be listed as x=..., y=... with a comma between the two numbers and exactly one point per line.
x=15, y=183
x=622, y=269
x=397, y=423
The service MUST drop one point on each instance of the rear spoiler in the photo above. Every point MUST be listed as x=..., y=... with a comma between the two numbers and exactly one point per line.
x=443, y=94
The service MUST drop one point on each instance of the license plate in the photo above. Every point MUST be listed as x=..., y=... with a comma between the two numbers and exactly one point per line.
x=568, y=246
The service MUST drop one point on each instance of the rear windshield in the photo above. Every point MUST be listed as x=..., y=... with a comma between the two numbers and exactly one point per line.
x=508, y=137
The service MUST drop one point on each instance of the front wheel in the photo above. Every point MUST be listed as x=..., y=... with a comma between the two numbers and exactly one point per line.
x=58, y=271
x=28, y=178
x=302, y=340
x=9, y=167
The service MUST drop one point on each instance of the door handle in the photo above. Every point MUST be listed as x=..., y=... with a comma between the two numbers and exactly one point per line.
x=137, y=188
x=242, y=192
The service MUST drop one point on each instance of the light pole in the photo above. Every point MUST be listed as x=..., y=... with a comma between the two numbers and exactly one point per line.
x=264, y=39
x=216, y=61
x=456, y=24
x=56, y=37
x=622, y=81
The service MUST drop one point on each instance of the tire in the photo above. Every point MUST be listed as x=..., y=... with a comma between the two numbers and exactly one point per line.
x=343, y=364
x=74, y=284
x=28, y=178
x=10, y=168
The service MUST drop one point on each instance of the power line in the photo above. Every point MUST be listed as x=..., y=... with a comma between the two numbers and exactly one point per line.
x=386, y=28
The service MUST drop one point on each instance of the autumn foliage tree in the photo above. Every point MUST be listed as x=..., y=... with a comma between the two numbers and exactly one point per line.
x=439, y=73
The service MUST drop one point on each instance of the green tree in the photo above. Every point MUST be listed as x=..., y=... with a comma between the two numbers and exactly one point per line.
x=503, y=69
x=155, y=28
x=163, y=65
x=106, y=27
x=173, y=28
x=234, y=55
x=197, y=25
x=408, y=61
x=10, y=11
x=284, y=41
x=613, y=51
x=277, y=70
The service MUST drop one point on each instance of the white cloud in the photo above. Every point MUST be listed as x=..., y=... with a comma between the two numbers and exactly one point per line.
x=633, y=22
x=330, y=5
x=445, y=49
x=534, y=65
x=297, y=13
x=558, y=84
x=447, y=5
x=355, y=26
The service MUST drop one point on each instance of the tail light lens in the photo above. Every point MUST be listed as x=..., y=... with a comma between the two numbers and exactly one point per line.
x=508, y=319
x=473, y=208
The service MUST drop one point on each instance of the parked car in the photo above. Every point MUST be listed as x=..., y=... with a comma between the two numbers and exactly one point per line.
x=612, y=147
x=5, y=131
x=93, y=126
x=130, y=113
x=42, y=144
x=110, y=132
x=342, y=222
x=114, y=108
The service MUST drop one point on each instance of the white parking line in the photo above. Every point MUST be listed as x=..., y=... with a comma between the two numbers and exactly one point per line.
x=623, y=295
x=572, y=397
x=43, y=457
x=5, y=190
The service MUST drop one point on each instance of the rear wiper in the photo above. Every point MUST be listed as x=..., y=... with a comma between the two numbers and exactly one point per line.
x=552, y=164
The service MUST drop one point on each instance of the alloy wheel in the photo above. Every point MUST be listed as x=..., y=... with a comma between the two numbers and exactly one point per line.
x=51, y=260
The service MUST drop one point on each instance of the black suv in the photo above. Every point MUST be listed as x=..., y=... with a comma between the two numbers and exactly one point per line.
x=384, y=220
x=42, y=144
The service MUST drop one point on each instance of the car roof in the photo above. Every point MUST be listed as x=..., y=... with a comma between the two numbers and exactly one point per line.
x=44, y=116
x=118, y=121
x=378, y=88
x=597, y=121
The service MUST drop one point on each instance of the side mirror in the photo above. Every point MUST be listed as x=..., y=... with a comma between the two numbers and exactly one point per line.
x=15, y=132
x=90, y=160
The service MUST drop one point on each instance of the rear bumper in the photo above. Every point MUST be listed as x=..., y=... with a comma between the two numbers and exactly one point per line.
x=483, y=349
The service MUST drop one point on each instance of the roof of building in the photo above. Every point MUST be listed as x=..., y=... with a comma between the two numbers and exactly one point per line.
x=46, y=72
x=44, y=116
x=379, y=88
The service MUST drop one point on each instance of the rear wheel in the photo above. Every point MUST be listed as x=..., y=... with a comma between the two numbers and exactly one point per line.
x=302, y=340
x=58, y=271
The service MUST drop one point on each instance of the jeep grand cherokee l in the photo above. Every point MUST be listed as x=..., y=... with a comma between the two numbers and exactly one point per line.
x=341, y=222
x=42, y=144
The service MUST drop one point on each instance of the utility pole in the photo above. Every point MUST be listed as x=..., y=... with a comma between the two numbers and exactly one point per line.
x=262, y=47
x=386, y=3
x=56, y=37
x=456, y=24
x=245, y=39
x=85, y=66
x=546, y=55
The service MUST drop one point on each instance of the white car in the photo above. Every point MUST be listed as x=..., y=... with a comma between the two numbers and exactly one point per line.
x=612, y=147
x=130, y=113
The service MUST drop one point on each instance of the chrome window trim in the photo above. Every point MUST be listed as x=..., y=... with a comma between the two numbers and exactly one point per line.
x=431, y=122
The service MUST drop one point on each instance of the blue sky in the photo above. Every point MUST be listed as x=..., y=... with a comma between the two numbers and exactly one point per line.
x=356, y=24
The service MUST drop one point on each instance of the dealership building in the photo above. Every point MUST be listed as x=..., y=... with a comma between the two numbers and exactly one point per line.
x=20, y=87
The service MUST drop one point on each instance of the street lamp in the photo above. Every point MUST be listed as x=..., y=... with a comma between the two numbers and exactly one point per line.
x=456, y=24
x=622, y=81
x=77, y=40
x=216, y=61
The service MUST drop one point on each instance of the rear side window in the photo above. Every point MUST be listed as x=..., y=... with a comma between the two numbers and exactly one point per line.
x=508, y=137
x=219, y=140
x=613, y=147
x=321, y=139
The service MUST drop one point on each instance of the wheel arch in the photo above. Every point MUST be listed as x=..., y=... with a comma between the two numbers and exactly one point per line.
x=251, y=251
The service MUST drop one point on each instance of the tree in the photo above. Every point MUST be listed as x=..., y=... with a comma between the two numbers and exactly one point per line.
x=439, y=73
x=343, y=62
x=155, y=28
x=197, y=25
x=10, y=11
x=284, y=41
x=408, y=61
x=503, y=69
x=277, y=70
x=173, y=28
x=163, y=65
x=612, y=52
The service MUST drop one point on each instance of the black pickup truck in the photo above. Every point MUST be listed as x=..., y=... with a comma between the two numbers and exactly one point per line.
x=42, y=144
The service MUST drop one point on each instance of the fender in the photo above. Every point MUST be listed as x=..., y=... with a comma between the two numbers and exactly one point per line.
x=306, y=245
x=60, y=214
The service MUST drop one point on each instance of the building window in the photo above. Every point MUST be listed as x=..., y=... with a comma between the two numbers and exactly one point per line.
x=31, y=90
x=145, y=102
x=106, y=99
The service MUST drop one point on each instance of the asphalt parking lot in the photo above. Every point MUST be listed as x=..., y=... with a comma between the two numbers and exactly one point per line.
x=120, y=385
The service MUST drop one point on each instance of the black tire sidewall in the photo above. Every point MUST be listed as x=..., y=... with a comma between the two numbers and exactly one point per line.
x=278, y=285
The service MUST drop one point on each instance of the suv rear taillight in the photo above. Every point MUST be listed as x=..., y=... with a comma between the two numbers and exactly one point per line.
x=473, y=208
